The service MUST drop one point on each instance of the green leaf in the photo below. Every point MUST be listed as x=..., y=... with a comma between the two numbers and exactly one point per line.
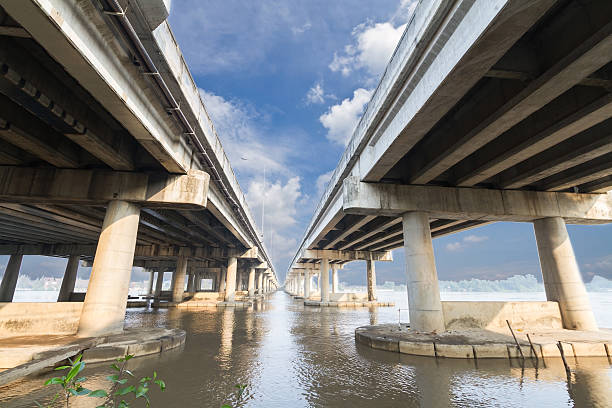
x=113, y=377
x=226, y=406
x=82, y=379
x=161, y=383
x=61, y=368
x=154, y=374
x=115, y=367
x=75, y=370
x=98, y=394
x=79, y=391
x=129, y=357
x=141, y=391
x=145, y=379
x=78, y=358
x=54, y=380
x=123, y=404
x=125, y=390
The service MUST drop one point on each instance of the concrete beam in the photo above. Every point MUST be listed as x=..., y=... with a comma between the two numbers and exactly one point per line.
x=97, y=187
x=333, y=255
x=475, y=203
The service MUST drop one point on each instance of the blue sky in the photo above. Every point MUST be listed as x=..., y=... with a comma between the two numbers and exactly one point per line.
x=285, y=82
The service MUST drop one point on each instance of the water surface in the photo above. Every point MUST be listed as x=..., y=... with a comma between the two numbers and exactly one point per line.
x=291, y=356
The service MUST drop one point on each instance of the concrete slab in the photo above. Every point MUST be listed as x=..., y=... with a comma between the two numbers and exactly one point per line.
x=317, y=303
x=481, y=343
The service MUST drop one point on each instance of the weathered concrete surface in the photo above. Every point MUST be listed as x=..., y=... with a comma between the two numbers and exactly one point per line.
x=480, y=343
x=32, y=319
x=346, y=300
x=493, y=315
x=31, y=354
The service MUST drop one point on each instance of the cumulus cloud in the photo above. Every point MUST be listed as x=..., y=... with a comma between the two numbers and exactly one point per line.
x=373, y=46
x=322, y=181
x=373, y=43
x=242, y=138
x=340, y=120
x=316, y=94
x=465, y=242
x=281, y=199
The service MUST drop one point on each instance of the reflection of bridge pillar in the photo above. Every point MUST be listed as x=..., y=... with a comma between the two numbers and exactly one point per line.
x=178, y=279
x=591, y=387
x=70, y=275
x=371, y=272
x=223, y=275
x=307, y=279
x=325, y=277
x=106, y=299
x=251, y=286
x=239, y=279
x=230, y=280
x=424, y=303
x=562, y=280
x=9, y=281
x=335, y=286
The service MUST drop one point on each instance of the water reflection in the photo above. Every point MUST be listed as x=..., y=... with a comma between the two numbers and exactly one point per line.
x=289, y=355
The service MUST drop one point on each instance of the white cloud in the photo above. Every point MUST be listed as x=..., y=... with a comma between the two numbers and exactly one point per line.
x=322, y=181
x=465, y=242
x=235, y=123
x=340, y=120
x=316, y=94
x=372, y=48
x=302, y=29
x=280, y=213
x=373, y=43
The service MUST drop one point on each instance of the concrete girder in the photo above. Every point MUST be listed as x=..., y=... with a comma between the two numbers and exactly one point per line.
x=475, y=204
x=97, y=187
x=348, y=231
x=333, y=255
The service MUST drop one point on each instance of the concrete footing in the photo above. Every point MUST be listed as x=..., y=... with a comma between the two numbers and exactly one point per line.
x=479, y=343
x=28, y=355
x=364, y=303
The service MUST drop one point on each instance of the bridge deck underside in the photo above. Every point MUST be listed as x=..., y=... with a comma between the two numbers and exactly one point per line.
x=540, y=118
x=48, y=120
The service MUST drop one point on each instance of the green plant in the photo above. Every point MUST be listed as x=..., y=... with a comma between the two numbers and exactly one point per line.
x=72, y=385
x=239, y=391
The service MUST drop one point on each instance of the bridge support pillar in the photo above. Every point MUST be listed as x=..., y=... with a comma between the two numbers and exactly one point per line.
x=260, y=283
x=178, y=279
x=251, y=286
x=69, y=279
x=307, y=279
x=106, y=299
x=371, y=272
x=562, y=280
x=159, y=282
x=325, y=280
x=230, y=280
x=9, y=281
x=222, y=279
x=191, y=280
x=424, y=303
x=150, y=283
x=335, y=286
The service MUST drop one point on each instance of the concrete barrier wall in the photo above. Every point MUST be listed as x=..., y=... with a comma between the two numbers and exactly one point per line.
x=25, y=319
x=348, y=297
x=207, y=296
x=493, y=315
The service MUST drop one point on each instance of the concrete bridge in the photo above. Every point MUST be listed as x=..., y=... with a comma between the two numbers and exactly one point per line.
x=108, y=156
x=489, y=110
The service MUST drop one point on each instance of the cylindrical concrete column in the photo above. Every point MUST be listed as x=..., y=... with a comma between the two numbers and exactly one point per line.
x=562, y=280
x=307, y=279
x=70, y=275
x=335, y=286
x=251, y=286
x=150, y=283
x=9, y=280
x=260, y=283
x=325, y=280
x=230, y=281
x=178, y=279
x=159, y=282
x=222, y=281
x=371, y=272
x=106, y=299
x=191, y=281
x=239, y=279
x=424, y=304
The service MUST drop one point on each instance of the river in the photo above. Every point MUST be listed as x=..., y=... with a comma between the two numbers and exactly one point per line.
x=290, y=356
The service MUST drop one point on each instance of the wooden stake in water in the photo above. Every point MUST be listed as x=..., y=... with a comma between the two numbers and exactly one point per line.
x=533, y=350
x=567, y=368
x=516, y=341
